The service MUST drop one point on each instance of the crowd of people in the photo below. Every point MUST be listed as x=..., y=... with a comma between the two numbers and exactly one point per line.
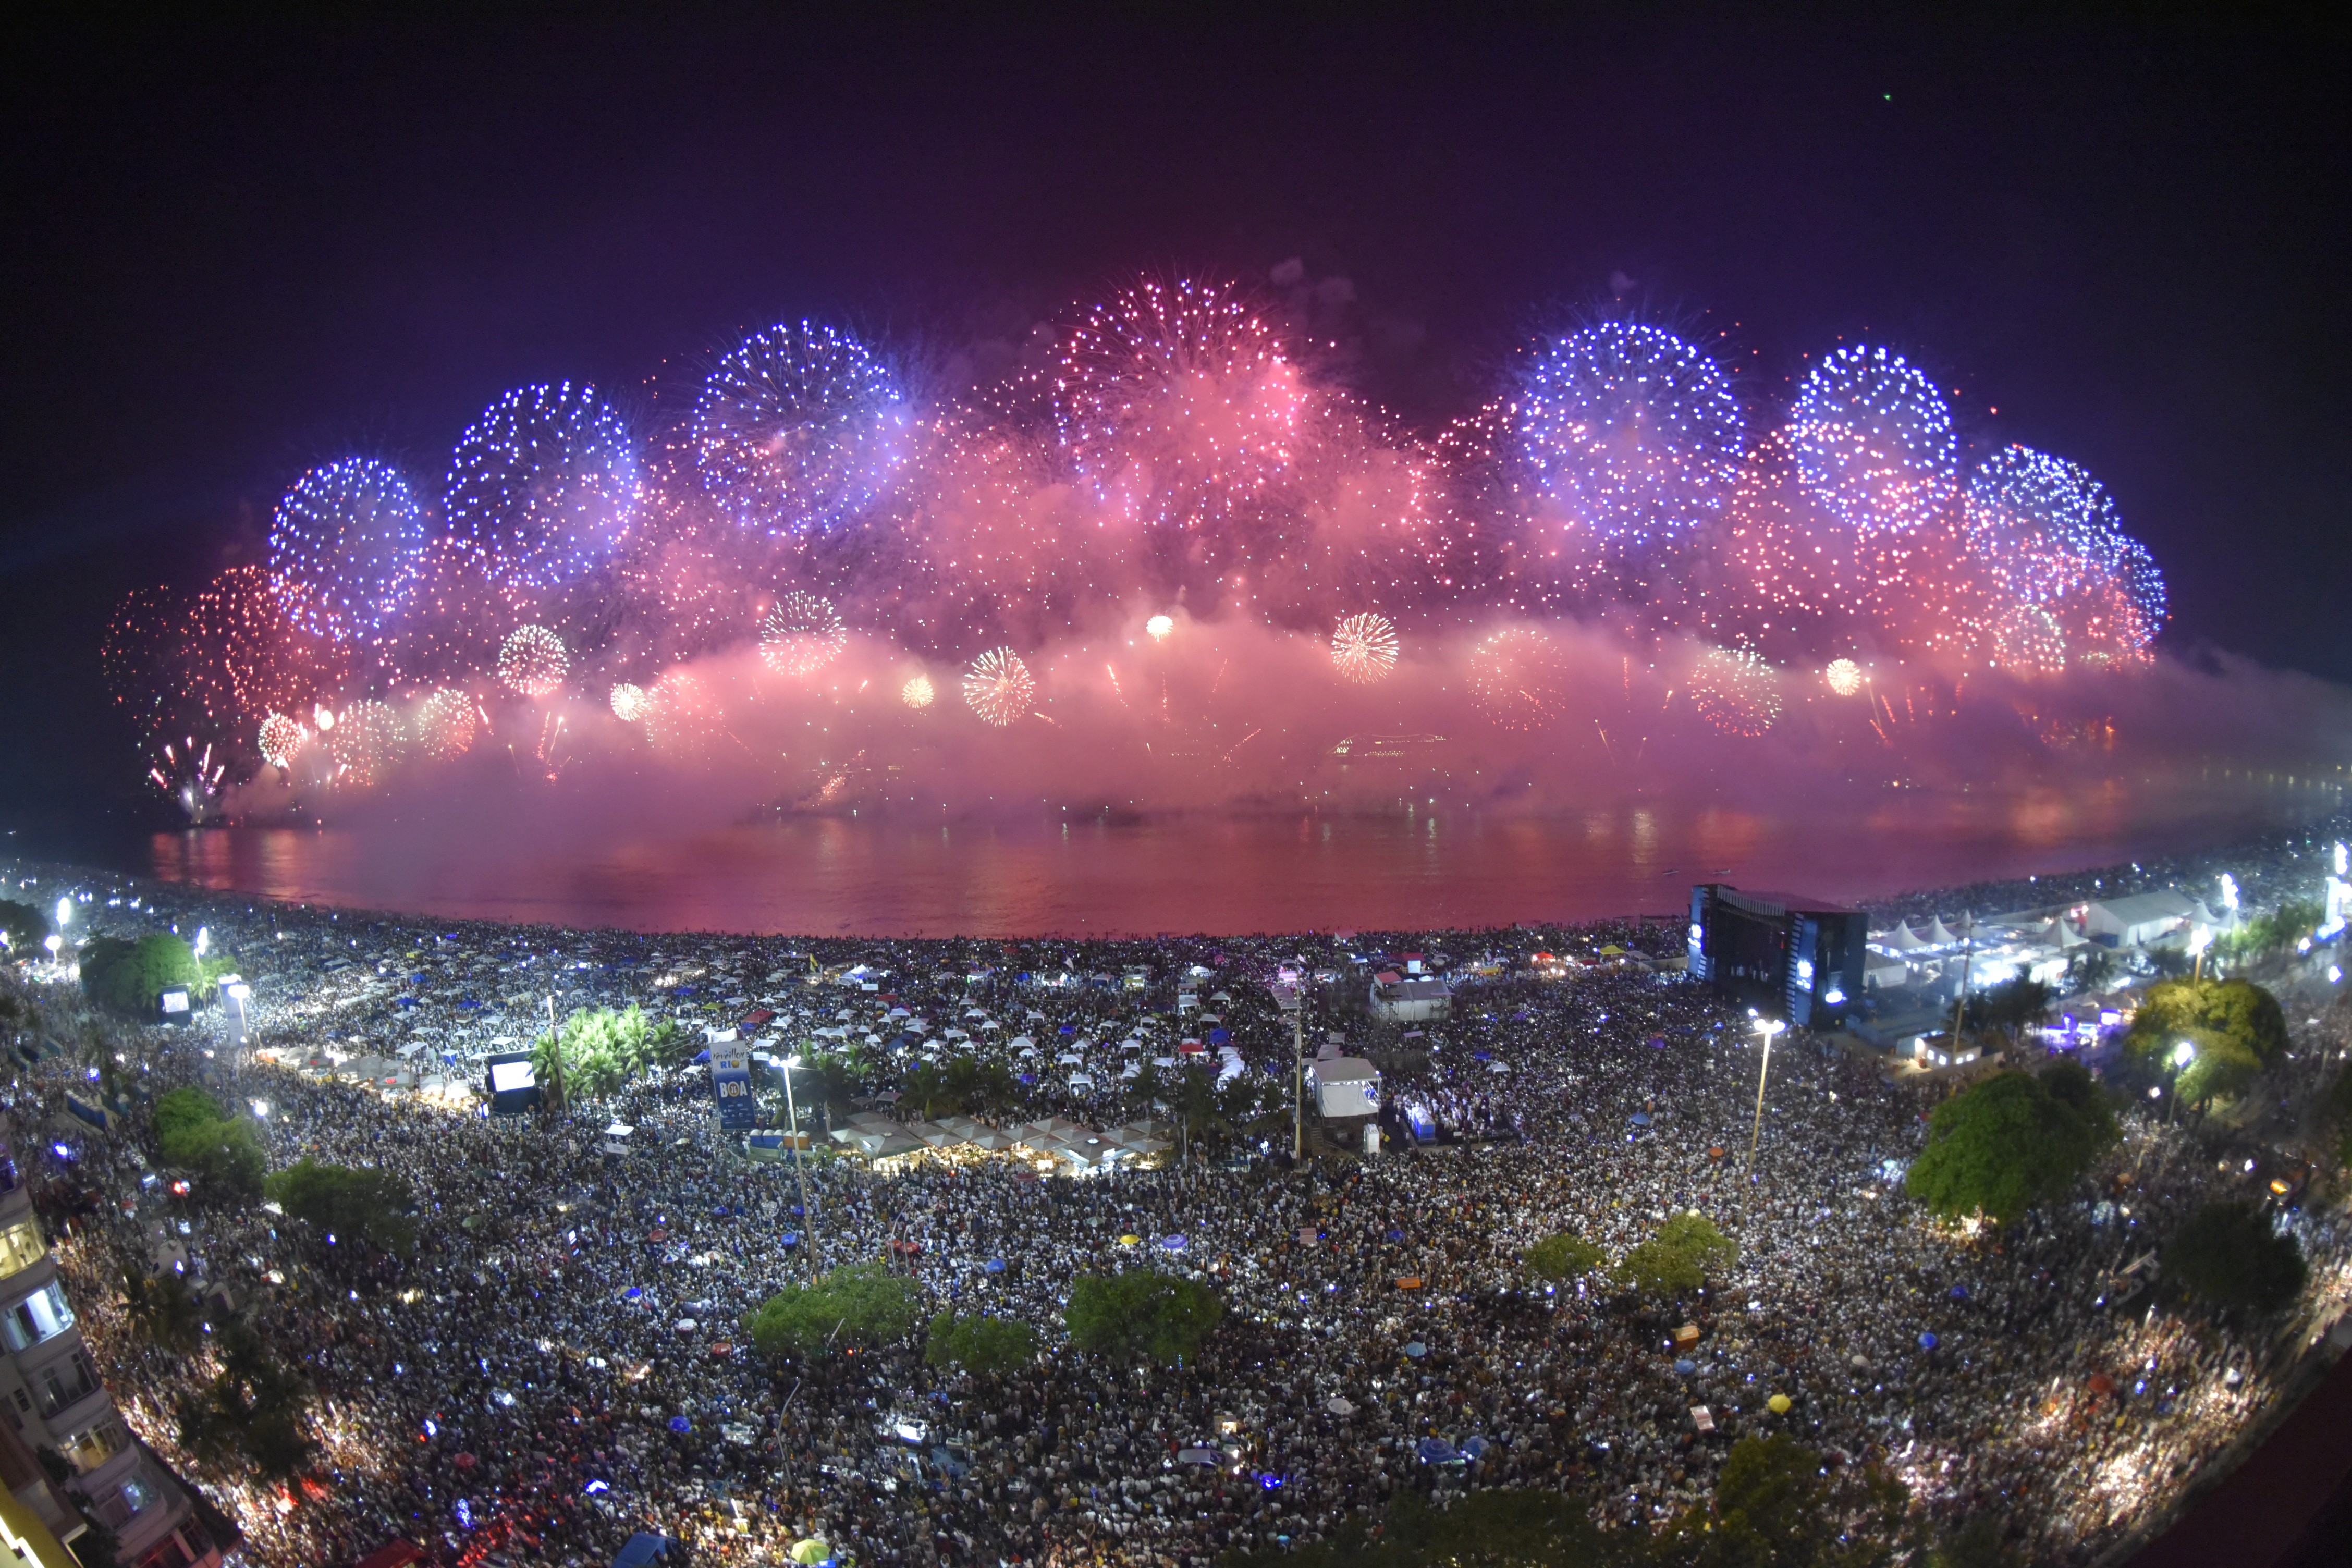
x=562, y=1363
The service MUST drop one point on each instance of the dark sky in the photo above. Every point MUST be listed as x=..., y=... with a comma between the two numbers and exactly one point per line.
x=229, y=255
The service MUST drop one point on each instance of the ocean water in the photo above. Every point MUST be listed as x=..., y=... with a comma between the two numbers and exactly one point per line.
x=1223, y=873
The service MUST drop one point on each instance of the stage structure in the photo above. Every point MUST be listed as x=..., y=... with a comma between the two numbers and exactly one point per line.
x=1795, y=957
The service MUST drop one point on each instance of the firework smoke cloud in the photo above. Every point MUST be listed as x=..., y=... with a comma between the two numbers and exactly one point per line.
x=1173, y=560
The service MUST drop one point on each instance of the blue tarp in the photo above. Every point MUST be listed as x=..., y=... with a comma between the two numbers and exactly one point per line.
x=641, y=1550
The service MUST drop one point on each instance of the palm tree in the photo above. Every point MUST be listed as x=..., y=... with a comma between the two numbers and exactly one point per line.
x=166, y=1312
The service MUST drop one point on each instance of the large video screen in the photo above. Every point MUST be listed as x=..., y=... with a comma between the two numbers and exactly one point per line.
x=506, y=1078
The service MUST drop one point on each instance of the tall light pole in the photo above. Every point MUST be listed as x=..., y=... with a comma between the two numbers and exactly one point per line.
x=808, y=1215
x=2182, y=1055
x=555, y=1052
x=1292, y=1000
x=1968, y=954
x=1767, y=1028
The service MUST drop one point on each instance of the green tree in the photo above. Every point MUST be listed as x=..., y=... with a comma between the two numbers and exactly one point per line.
x=1141, y=1315
x=23, y=926
x=255, y=1408
x=1489, y=1527
x=2227, y=1255
x=603, y=1049
x=225, y=1157
x=1775, y=1508
x=1976, y=1544
x=965, y=1085
x=856, y=1307
x=361, y=1205
x=127, y=977
x=162, y=1309
x=1195, y=1108
x=180, y=1109
x=2003, y=1146
x=2010, y=1007
x=1564, y=1255
x=2236, y=1010
x=982, y=1343
x=2070, y=1083
x=1685, y=1251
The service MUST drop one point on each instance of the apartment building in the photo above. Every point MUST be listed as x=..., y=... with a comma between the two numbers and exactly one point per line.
x=57, y=1405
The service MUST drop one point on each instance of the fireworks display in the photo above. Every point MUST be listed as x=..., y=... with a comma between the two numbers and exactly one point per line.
x=546, y=481
x=1632, y=433
x=280, y=737
x=1172, y=458
x=366, y=741
x=1519, y=677
x=342, y=543
x=798, y=430
x=445, y=724
x=533, y=661
x=1735, y=691
x=1364, y=647
x=802, y=635
x=2048, y=538
x=682, y=719
x=1875, y=440
x=999, y=687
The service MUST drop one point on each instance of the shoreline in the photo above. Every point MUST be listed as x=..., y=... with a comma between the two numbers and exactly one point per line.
x=2252, y=859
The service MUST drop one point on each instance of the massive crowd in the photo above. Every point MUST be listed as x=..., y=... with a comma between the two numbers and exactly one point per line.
x=562, y=1363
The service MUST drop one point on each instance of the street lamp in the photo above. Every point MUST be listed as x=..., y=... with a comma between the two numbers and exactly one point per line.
x=1767, y=1028
x=2182, y=1055
x=808, y=1215
x=2199, y=941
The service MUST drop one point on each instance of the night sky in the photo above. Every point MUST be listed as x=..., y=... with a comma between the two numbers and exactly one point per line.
x=230, y=256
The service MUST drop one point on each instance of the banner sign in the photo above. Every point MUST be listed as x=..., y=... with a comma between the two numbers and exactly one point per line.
x=731, y=1083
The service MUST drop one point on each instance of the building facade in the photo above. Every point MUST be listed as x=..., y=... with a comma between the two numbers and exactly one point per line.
x=1799, y=958
x=57, y=1407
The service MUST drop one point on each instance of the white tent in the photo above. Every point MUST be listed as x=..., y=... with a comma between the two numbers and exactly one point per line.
x=1941, y=935
x=1901, y=940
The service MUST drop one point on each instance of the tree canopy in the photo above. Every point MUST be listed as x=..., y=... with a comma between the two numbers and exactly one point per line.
x=1141, y=1315
x=2226, y=1255
x=253, y=1408
x=24, y=925
x=2009, y=1006
x=964, y=1085
x=1486, y=1528
x=1564, y=1255
x=224, y=1156
x=127, y=976
x=603, y=1049
x=982, y=1343
x=346, y=1206
x=1686, y=1250
x=1773, y=1506
x=2008, y=1144
x=2238, y=1012
x=856, y=1307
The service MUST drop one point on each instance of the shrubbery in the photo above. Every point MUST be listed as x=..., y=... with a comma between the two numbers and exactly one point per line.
x=856, y=1307
x=225, y=1156
x=347, y=1205
x=1564, y=1256
x=1686, y=1250
x=980, y=1343
x=127, y=976
x=1141, y=1315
